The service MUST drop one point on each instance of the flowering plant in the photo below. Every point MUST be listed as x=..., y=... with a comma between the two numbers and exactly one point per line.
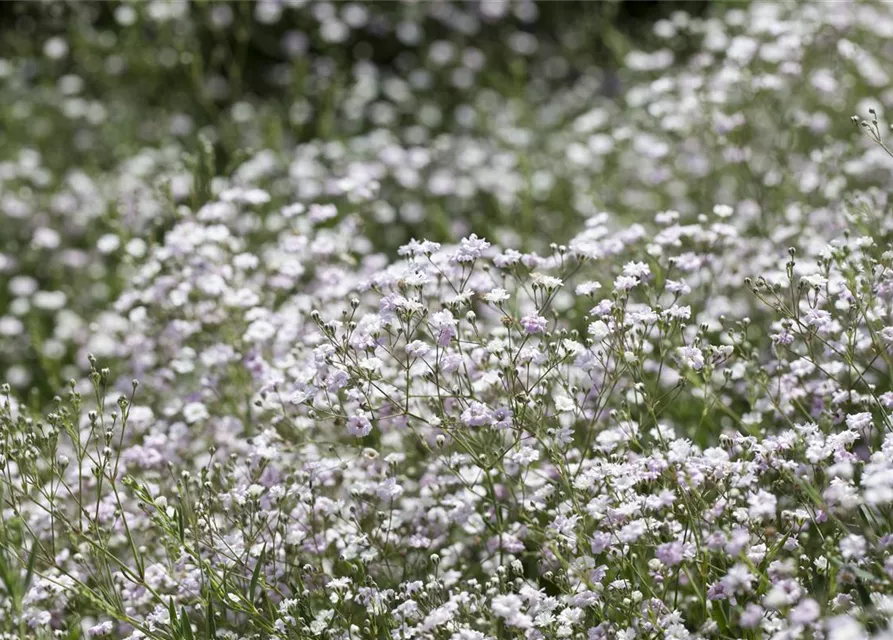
x=672, y=422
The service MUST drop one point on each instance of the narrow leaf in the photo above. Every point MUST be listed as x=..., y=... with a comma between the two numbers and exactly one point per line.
x=185, y=626
x=180, y=526
x=212, y=623
x=172, y=612
x=256, y=575
x=29, y=574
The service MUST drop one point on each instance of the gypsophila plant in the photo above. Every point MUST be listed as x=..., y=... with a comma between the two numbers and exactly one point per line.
x=423, y=321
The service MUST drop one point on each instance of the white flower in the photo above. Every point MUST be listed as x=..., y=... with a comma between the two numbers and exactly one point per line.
x=508, y=607
x=587, y=288
x=638, y=270
x=417, y=349
x=762, y=505
x=625, y=283
x=546, y=281
x=599, y=330
x=859, y=421
x=723, y=211
x=564, y=404
x=677, y=313
x=470, y=249
x=195, y=411
x=496, y=295
x=371, y=364
x=108, y=243
x=322, y=212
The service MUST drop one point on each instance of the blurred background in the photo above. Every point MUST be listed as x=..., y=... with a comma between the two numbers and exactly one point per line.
x=517, y=120
x=196, y=60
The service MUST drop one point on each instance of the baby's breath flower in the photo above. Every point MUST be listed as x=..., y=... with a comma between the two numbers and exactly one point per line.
x=359, y=426
x=691, y=357
x=340, y=433
x=533, y=323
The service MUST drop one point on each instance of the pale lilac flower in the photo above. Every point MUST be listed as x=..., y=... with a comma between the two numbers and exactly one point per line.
x=359, y=426
x=322, y=212
x=691, y=357
x=100, y=629
x=806, y=612
x=818, y=318
x=670, y=553
x=445, y=326
x=853, y=547
x=477, y=414
x=417, y=349
x=533, y=323
x=502, y=418
x=389, y=489
x=679, y=287
x=751, y=616
x=603, y=308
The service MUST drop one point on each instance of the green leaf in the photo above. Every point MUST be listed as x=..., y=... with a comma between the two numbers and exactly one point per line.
x=5, y=576
x=172, y=612
x=181, y=529
x=212, y=623
x=252, y=589
x=185, y=627
x=29, y=574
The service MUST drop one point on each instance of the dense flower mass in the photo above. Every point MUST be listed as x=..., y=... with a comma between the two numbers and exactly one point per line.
x=432, y=349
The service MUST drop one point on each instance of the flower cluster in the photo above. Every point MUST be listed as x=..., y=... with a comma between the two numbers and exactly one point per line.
x=289, y=418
